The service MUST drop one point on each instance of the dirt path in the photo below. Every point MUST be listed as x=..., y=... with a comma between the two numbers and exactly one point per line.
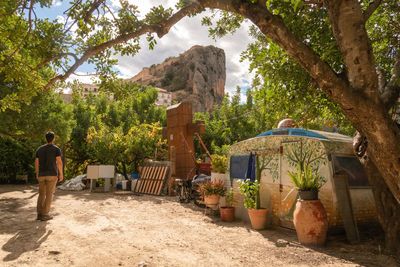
x=126, y=230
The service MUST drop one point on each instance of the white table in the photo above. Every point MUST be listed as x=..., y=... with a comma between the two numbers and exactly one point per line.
x=106, y=172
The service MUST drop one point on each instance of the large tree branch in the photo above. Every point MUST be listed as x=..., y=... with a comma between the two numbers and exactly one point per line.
x=348, y=25
x=55, y=57
x=274, y=27
x=371, y=9
x=94, y=6
x=160, y=29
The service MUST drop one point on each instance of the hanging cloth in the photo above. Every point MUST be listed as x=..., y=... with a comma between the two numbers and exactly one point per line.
x=251, y=168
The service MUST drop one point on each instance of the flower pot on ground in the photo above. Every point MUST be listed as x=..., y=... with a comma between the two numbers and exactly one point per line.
x=309, y=217
x=227, y=212
x=251, y=193
x=212, y=191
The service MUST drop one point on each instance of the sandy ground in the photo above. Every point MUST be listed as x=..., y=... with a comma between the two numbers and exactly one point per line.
x=114, y=229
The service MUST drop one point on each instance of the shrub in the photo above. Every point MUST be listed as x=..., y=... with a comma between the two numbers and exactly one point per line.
x=219, y=163
x=306, y=178
x=213, y=188
x=229, y=200
x=249, y=190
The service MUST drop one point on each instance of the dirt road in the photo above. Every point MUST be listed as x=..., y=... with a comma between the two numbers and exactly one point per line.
x=106, y=229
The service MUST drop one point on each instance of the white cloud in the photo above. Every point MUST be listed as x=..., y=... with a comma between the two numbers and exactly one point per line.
x=57, y=3
x=82, y=77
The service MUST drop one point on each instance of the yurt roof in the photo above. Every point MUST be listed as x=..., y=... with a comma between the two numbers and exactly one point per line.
x=313, y=134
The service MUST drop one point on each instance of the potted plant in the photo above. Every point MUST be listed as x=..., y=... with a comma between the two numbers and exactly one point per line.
x=212, y=191
x=228, y=212
x=251, y=190
x=219, y=165
x=309, y=217
x=251, y=193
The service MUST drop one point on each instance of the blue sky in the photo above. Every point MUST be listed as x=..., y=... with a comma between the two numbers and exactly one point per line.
x=182, y=36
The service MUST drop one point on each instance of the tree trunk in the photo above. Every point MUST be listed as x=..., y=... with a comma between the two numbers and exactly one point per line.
x=388, y=209
x=125, y=172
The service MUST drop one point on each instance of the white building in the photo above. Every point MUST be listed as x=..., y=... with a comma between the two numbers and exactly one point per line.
x=88, y=89
x=164, y=97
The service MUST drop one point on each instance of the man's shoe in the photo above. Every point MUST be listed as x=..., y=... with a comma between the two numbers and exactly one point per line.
x=39, y=217
x=46, y=217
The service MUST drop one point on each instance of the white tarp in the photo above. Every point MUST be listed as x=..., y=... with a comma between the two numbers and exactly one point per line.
x=75, y=184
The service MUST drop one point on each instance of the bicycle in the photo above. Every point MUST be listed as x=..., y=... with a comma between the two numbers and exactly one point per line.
x=183, y=190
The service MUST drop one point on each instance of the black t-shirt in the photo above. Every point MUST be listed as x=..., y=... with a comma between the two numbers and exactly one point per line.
x=47, y=159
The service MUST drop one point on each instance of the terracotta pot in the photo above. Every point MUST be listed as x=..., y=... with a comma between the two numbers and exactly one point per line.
x=258, y=218
x=211, y=200
x=311, y=222
x=227, y=214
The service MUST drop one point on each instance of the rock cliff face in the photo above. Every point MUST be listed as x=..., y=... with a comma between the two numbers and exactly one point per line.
x=197, y=75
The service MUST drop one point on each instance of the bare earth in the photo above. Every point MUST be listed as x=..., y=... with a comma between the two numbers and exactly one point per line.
x=114, y=229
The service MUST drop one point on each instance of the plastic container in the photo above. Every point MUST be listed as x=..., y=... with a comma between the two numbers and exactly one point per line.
x=124, y=184
x=135, y=175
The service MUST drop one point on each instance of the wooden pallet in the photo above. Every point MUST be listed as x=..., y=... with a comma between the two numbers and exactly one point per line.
x=152, y=180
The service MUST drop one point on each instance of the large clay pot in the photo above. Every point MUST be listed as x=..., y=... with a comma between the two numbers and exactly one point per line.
x=311, y=222
x=227, y=214
x=211, y=200
x=258, y=218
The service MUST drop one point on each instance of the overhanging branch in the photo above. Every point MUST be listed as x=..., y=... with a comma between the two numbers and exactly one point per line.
x=371, y=9
x=160, y=29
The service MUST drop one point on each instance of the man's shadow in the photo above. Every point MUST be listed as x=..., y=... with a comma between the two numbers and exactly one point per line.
x=26, y=240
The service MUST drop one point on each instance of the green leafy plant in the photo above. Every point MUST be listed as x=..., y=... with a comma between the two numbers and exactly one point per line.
x=219, y=163
x=213, y=188
x=229, y=199
x=250, y=191
x=306, y=157
x=306, y=179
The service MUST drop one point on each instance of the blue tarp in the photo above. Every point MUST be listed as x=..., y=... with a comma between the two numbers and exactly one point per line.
x=293, y=132
x=238, y=166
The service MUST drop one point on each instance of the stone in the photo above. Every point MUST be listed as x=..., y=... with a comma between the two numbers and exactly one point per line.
x=197, y=75
x=281, y=243
x=142, y=264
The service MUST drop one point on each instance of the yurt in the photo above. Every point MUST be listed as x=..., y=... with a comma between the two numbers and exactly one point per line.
x=345, y=194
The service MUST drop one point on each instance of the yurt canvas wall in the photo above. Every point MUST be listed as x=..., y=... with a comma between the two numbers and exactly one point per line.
x=277, y=192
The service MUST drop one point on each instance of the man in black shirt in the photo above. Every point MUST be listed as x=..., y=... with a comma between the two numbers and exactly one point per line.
x=48, y=167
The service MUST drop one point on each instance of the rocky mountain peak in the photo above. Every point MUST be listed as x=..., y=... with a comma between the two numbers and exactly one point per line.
x=197, y=75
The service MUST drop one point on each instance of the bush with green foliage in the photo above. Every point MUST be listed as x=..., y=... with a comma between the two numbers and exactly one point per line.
x=16, y=157
x=219, y=163
x=306, y=179
x=213, y=188
x=229, y=198
x=250, y=191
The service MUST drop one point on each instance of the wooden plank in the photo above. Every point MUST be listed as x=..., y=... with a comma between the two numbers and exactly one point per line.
x=144, y=181
x=160, y=180
x=141, y=179
x=154, y=180
x=148, y=179
x=163, y=179
x=345, y=207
